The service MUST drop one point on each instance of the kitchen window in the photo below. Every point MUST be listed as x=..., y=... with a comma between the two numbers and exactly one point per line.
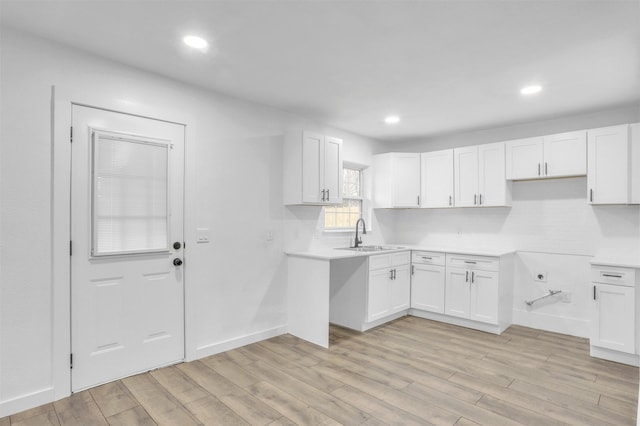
x=344, y=217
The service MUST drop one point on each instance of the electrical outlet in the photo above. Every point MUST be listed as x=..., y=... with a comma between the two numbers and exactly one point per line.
x=566, y=297
x=540, y=277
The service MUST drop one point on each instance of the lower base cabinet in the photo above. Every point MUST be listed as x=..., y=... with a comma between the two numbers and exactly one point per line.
x=614, y=321
x=389, y=286
x=466, y=290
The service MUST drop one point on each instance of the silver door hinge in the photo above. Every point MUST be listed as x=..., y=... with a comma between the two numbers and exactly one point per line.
x=70, y=360
x=71, y=134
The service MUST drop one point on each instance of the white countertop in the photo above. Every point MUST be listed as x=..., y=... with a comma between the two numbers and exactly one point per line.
x=621, y=261
x=331, y=254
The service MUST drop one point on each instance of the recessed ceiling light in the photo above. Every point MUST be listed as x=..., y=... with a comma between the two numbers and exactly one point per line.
x=392, y=119
x=530, y=90
x=195, y=42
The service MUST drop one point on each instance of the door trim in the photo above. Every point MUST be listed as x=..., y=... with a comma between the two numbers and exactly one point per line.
x=62, y=100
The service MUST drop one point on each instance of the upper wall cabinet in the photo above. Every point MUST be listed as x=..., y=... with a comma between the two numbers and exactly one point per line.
x=437, y=179
x=396, y=180
x=560, y=155
x=312, y=169
x=479, y=176
x=614, y=165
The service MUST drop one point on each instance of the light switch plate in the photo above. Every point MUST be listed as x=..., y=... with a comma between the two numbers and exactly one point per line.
x=203, y=235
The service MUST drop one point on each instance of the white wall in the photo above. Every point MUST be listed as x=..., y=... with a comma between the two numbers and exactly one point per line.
x=550, y=224
x=235, y=286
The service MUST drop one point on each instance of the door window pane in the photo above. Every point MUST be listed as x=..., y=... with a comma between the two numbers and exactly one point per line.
x=129, y=195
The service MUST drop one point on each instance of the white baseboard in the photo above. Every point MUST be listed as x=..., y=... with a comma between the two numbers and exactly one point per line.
x=615, y=356
x=227, y=345
x=554, y=323
x=25, y=402
x=462, y=322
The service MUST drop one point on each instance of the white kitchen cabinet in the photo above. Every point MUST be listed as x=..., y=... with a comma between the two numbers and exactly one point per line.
x=614, y=165
x=396, y=180
x=436, y=171
x=472, y=288
x=312, y=169
x=613, y=321
x=427, y=281
x=479, y=176
x=389, y=285
x=551, y=156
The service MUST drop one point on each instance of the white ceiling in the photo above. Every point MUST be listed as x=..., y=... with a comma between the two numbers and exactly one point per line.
x=443, y=66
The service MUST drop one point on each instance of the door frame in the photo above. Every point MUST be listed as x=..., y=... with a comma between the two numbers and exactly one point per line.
x=62, y=101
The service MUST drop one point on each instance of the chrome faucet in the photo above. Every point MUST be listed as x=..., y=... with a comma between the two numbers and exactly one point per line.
x=358, y=241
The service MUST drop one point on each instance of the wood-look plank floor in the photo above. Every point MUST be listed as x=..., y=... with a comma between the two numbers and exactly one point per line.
x=409, y=372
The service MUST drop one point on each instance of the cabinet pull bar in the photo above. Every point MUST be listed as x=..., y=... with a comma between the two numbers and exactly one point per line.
x=545, y=169
x=466, y=278
x=474, y=199
x=612, y=275
x=322, y=195
x=470, y=261
x=473, y=277
x=538, y=169
x=328, y=195
x=480, y=199
x=427, y=257
x=394, y=274
x=450, y=200
x=594, y=292
x=591, y=195
x=413, y=269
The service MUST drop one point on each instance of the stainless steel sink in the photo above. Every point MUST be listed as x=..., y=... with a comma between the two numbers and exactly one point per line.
x=370, y=248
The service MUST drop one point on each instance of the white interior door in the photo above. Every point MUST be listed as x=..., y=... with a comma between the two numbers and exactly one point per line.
x=127, y=294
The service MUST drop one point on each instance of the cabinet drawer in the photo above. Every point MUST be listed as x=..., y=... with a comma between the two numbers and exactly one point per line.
x=428, y=258
x=613, y=275
x=473, y=262
x=402, y=258
x=380, y=261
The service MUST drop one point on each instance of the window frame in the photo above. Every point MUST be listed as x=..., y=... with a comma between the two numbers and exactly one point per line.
x=363, y=198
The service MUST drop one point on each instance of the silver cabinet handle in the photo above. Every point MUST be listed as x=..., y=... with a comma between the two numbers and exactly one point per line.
x=470, y=261
x=466, y=278
x=545, y=169
x=591, y=195
x=394, y=274
x=538, y=169
x=450, y=200
x=474, y=199
x=328, y=195
x=612, y=275
x=390, y=274
x=413, y=269
x=594, y=292
x=427, y=257
x=480, y=199
x=418, y=200
x=473, y=277
x=322, y=195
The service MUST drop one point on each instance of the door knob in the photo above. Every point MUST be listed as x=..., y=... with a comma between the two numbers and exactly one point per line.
x=177, y=245
x=177, y=261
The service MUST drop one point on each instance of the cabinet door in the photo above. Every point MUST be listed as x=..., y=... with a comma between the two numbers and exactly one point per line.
x=405, y=173
x=436, y=173
x=483, y=305
x=524, y=158
x=427, y=288
x=565, y=154
x=312, y=151
x=613, y=324
x=466, y=176
x=401, y=289
x=456, y=301
x=492, y=185
x=608, y=168
x=332, y=169
x=378, y=296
